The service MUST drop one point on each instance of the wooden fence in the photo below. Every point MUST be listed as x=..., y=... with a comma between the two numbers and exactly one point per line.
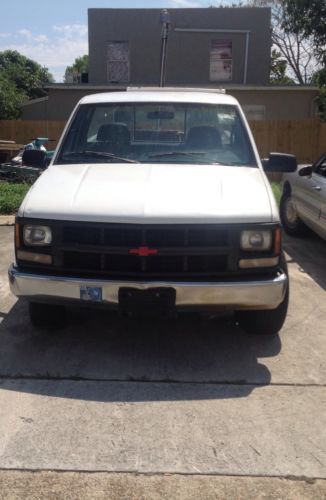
x=304, y=138
x=23, y=131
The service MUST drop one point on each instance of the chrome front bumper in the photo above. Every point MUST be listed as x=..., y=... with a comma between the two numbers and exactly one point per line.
x=264, y=294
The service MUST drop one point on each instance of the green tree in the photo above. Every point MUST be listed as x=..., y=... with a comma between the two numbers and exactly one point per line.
x=10, y=98
x=296, y=48
x=21, y=79
x=319, y=78
x=279, y=69
x=28, y=76
x=80, y=65
x=309, y=17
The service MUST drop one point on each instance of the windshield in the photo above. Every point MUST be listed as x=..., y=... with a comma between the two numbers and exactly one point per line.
x=157, y=133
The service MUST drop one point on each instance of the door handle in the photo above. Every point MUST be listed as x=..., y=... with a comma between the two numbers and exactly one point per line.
x=316, y=188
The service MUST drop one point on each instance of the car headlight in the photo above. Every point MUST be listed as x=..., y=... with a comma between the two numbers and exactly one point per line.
x=256, y=240
x=37, y=235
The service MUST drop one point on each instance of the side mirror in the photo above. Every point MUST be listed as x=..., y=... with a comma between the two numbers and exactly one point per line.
x=280, y=162
x=34, y=158
x=305, y=171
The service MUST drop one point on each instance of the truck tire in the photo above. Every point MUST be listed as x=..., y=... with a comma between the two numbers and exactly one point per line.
x=291, y=222
x=48, y=316
x=266, y=321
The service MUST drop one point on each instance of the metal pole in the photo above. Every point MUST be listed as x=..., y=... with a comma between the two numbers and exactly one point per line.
x=246, y=60
x=165, y=20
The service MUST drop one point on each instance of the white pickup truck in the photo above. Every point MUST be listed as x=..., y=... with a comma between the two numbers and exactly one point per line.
x=154, y=200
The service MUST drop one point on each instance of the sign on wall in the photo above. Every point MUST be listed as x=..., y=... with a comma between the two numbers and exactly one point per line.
x=118, y=62
x=220, y=69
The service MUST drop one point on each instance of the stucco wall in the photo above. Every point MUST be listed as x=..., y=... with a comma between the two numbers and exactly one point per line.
x=188, y=53
x=282, y=104
x=59, y=106
x=35, y=110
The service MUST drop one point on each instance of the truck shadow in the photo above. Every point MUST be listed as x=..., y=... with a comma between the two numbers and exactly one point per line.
x=309, y=253
x=98, y=352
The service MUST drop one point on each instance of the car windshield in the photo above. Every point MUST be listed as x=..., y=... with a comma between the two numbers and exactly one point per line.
x=157, y=133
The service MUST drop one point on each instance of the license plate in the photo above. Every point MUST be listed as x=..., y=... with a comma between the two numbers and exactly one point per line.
x=153, y=300
x=91, y=293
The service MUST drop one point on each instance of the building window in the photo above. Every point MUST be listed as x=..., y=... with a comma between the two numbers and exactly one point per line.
x=220, y=68
x=254, y=111
x=118, y=62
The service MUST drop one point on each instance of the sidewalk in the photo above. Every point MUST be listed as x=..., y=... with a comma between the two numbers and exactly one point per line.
x=15, y=485
x=7, y=220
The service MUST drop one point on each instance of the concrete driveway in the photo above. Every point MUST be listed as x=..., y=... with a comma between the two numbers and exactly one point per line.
x=193, y=405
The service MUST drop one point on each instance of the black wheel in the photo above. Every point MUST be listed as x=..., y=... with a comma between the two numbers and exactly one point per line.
x=47, y=316
x=291, y=222
x=266, y=321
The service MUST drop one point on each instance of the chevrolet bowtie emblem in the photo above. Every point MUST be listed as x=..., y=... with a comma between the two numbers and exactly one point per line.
x=143, y=251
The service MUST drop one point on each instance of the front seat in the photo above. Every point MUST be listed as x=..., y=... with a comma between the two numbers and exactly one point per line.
x=115, y=135
x=203, y=136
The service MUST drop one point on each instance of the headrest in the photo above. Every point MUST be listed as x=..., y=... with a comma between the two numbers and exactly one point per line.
x=203, y=136
x=115, y=133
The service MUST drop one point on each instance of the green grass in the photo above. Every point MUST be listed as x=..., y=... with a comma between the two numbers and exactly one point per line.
x=277, y=191
x=11, y=196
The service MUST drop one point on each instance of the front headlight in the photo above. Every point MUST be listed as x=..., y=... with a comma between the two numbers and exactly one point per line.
x=37, y=235
x=256, y=240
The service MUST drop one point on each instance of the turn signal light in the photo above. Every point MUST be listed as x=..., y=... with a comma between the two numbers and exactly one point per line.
x=277, y=241
x=17, y=235
x=252, y=263
x=40, y=258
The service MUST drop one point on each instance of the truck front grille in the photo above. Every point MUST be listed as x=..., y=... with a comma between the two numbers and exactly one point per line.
x=181, y=251
x=164, y=237
x=174, y=252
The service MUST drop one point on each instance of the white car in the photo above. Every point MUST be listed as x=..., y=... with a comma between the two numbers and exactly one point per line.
x=303, y=201
x=155, y=200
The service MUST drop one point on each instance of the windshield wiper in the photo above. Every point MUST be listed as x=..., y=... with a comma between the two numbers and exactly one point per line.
x=186, y=153
x=102, y=154
x=177, y=153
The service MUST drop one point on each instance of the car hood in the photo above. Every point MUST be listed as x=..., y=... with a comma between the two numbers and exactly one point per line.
x=151, y=193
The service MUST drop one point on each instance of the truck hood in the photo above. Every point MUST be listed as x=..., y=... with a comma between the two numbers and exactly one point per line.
x=151, y=193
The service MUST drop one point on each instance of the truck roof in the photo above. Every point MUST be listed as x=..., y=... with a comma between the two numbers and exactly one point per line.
x=199, y=96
